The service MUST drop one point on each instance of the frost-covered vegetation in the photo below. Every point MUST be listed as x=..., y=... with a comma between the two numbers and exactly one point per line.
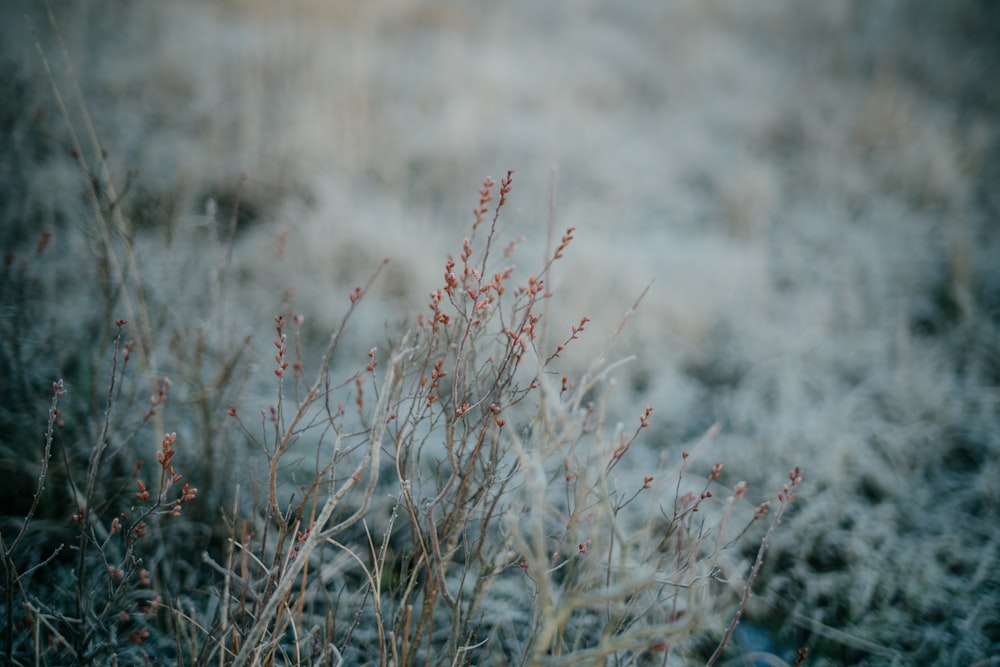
x=811, y=193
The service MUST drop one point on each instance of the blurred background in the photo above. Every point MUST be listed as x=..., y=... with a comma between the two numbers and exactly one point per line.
x=812, y=189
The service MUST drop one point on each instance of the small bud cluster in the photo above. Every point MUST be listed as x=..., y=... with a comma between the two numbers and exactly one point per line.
x=279, y=343
x=157, y=401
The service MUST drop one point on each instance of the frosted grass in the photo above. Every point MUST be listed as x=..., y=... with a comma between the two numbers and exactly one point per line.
x=809, y=190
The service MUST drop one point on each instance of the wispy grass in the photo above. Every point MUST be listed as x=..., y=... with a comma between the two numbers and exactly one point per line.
x=824, y=284
x=452, y=500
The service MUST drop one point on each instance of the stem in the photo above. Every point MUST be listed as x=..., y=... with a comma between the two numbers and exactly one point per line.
x=750, y=580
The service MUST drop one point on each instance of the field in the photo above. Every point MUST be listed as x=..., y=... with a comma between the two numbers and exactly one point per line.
x=425, y=332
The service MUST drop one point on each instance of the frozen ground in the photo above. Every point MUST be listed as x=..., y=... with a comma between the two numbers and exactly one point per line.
x=813, y=189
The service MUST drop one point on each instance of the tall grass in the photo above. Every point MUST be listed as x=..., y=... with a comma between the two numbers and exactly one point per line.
x=825, y=290
x=452, y=498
